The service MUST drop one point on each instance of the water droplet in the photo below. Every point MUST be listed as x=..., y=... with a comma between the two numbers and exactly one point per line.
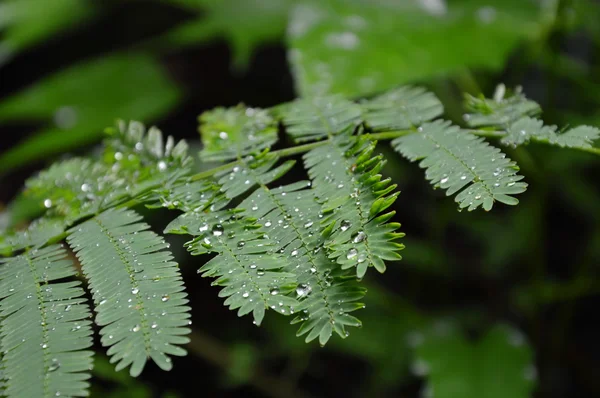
x=359, y=237
x=308, y=224
x=85, y=187
x=162, y=165
x=260, y=272
x=253, y=266
x=510, y=184
x=268, y=224
x=217, y=230
x=241, y=244
x=303, y=290
x=245, y=294
x=361, y=258
x=135, y=290
x=345, y=225
x=313, y=270
x=444, y=180
x=165, y=298
x=54, y=365
x=274, y=292
x=136, y=328
x=47, y=203
x=294, y=253
x=223, y=135
x=351, y=253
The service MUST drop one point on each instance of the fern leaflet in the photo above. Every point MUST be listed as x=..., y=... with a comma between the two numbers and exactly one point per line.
x=401, y=109
x=132, y=163
x=345, y=176
x=317, y=118
x=137, y=289
x=511, y=118
x=231, y=132
x=501, y=110
x=463, y=163
x=44, y=328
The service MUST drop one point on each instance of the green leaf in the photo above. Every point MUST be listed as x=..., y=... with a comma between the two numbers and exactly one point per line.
x=319, y=117
x=133, y=162
x=245, y=24
x=502, y=110
x=27, y=22
x=499, y=365
x=76, y=103
x=44, y=328
x=228, y=133
x=462, y=163
x=346, y=178
x=401, y=109
x=137, y=289
x=37, y=234
x=365, y=46
x=509, y=115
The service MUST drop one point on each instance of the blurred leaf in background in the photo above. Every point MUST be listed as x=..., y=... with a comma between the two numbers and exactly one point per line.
x=27, y=22
x=74, y=105
x=499, y=365
x=361, y=47
x=245, y=24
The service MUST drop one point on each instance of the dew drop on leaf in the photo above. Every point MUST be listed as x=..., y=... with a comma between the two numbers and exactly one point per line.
x=359, y=237
x=345, y=225
x=217, y=230
x=351, y=253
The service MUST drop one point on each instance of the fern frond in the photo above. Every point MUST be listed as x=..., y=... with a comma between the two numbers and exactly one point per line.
x=258, y=171
x=510, y=116
x=401, y=109
x=246, y=265
x=346, y=176
x=290, y=216
x=319, y=117
x=38, y=233
x=228, y=133
x=44, y=328
x=501, y=110
x=526, y=129
x=461, y=162
x=132, y=163
x=137, y=289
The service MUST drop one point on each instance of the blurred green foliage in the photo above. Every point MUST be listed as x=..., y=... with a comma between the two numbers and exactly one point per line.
x=27, y=22
x=74, y=104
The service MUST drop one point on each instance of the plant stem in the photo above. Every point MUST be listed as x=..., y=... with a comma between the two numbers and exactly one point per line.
x=381, y=136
